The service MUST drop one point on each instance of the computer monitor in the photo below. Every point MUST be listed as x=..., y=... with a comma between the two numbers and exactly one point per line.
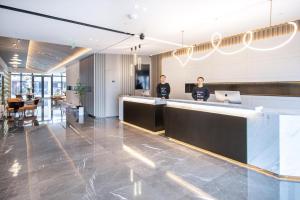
x=228, y=96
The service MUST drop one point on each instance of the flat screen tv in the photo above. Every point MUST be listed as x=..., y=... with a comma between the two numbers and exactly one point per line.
x=142, y=77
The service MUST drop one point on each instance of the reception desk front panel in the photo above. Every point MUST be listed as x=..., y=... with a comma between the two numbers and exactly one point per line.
x=221, y=134
x=147, y=116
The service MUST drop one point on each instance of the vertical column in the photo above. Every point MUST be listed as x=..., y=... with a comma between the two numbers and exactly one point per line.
x=99, y=85
x=155, y=72
x=86, y=76
x=127, y=76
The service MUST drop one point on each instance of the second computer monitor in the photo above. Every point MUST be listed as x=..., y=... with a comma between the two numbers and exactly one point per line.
x=228, y=96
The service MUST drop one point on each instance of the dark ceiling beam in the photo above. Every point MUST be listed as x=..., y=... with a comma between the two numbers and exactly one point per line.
x=64, y=20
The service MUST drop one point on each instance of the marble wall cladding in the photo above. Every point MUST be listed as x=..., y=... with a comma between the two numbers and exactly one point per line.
x=72, y=76
x=273, y=143
x=289, y=145
x=263, y=141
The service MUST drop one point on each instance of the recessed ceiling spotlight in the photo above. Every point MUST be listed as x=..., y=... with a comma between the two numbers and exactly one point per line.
x=136, y=6
x=16, y=55
x=145, y=9
x=132, y=16
x=15, y=59
x=14, y=63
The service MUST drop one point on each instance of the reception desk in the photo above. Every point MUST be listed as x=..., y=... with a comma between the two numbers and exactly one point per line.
x=265, y=139
x=144, y=112
x=260, y=138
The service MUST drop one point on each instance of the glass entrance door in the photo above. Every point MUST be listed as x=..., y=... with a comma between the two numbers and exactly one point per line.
x=47, y=86
x=37, y=86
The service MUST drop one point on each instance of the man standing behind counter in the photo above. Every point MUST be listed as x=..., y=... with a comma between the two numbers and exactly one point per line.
x=200, y=93
x=163, y=89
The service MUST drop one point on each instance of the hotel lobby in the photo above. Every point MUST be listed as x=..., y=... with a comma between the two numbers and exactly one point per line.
x=136, y=99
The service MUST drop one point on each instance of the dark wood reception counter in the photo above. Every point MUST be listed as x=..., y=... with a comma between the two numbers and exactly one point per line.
x=222, y=134
x=144, y=112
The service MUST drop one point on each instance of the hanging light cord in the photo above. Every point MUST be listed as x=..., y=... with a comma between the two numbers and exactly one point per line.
x=271, y=9
x=182, y=32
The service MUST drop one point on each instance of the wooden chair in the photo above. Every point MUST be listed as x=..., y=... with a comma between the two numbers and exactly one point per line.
x=16, y=108
x=19, y=96
x=10, y=109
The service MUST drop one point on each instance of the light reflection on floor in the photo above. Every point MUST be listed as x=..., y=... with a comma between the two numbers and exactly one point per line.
x=48, y=114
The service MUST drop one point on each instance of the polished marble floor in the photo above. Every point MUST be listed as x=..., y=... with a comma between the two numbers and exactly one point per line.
x=70, y=158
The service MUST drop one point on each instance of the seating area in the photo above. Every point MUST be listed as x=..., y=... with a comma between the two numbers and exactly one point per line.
x=21, y=107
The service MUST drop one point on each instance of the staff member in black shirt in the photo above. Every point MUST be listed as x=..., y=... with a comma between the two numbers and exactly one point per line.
x=200, y=93
x=163, y=89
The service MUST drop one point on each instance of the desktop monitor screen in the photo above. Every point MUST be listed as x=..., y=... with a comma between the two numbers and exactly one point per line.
x=228, y=96
x=142, y=77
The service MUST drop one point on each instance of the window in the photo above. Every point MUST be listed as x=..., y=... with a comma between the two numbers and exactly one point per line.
x=57, y=85
x=15, y=85
x=64, y=84
x=42, y=86
x=47, y=86
x=37, y=86
x=26, y=85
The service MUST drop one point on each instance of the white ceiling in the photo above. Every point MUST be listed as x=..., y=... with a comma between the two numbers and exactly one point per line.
x=162, y=19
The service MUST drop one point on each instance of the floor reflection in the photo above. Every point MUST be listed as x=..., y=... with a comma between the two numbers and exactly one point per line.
x=49, y=114
x=65, y=158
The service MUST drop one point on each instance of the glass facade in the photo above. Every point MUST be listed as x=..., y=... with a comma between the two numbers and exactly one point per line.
x=57, y=85
x=26, y=85
x=47, y=86
x=43, y=86
x=15, y=85
x=37, y=86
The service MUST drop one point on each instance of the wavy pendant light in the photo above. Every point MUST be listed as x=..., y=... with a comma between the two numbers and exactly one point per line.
x=216, y=40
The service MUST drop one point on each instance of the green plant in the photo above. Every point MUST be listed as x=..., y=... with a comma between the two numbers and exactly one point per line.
x=29, y=90
x=80, y=90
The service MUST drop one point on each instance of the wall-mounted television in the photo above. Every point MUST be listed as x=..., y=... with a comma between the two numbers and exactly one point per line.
x=142, y=77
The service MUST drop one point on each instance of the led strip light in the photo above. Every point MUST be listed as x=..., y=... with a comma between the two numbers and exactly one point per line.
x=219, y=36
x=247, y=44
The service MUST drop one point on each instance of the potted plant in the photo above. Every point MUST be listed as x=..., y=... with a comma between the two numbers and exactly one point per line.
x=80, y=91
x=29, y=94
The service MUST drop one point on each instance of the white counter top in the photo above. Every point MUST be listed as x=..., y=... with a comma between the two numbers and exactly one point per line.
x=145, y=100
x=214, y=107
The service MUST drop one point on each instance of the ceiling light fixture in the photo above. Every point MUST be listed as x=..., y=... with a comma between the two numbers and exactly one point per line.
x=245, y=42
x=190, y=51
x=15, y=59
x=15, y=63
x=248, y=45
x=213, y=39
